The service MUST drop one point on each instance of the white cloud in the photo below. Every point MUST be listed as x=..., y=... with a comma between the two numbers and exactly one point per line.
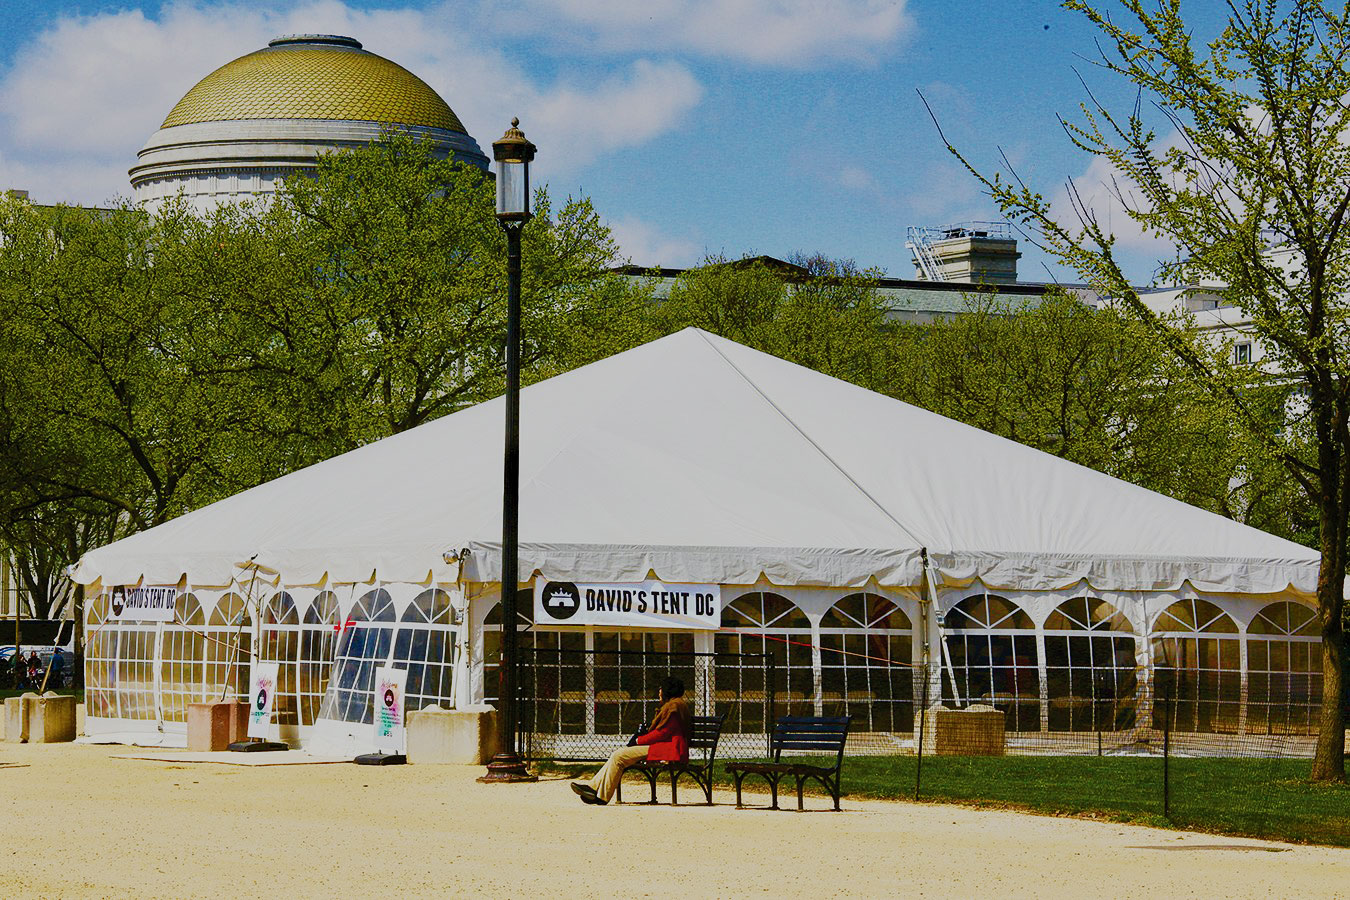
x=766, y=32
x=947, y=194
x=1105, y=193
x=643, y=244
x=855, y=178
x=82, y=97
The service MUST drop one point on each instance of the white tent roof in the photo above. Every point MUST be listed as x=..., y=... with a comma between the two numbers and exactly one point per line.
x=706, y=461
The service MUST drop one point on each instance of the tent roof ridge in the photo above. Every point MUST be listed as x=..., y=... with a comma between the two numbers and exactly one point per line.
x=848, y=476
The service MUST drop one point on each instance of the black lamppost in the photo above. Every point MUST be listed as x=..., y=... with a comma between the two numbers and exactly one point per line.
x=513, y=154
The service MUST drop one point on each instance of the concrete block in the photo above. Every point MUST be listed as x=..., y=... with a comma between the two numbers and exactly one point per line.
x=17, y=713
x=973, y=731
x=51, y=719
x=214, y=726
x=465, y=736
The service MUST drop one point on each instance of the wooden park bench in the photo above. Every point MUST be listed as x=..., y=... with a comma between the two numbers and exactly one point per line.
x=706, y=732
x=822, y=735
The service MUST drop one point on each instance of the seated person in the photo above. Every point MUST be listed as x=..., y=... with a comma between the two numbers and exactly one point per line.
x=666, y=741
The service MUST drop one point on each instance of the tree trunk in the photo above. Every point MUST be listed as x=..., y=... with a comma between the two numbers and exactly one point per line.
x=1329, y=759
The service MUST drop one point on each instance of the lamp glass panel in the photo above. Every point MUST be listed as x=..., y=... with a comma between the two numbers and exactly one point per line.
x=512, y=188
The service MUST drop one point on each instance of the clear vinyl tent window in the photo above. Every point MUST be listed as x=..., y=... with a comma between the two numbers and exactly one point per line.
x=229, y=640
x=100, y=659
x=1197, y=662
x=1089, y=667
x=866, y=652
x=362, y=648
x=318, y=641
x=120, y=661
x=557, y=670
x=183, y=657
x=991, y=645
x=1284, y=670
x=764, y=622
x=426, y=645
x=280, y=643
x=628, y=670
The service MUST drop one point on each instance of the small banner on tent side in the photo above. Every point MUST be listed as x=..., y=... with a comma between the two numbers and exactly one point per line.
x=143, y=604
x=389, y=712
x=646, y=604
x=263, y=697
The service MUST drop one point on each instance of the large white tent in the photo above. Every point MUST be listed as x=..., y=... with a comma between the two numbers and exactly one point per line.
x=705, y=460
x=694, y=459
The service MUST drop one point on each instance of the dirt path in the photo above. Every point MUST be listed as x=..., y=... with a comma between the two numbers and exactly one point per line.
x=95, y=826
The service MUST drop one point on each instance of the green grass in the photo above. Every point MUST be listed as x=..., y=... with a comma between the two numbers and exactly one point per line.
x=1265, y=798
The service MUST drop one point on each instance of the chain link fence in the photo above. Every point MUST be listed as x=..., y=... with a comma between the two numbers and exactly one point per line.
x=580, y=704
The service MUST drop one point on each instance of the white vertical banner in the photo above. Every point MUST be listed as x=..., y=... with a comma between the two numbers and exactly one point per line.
x=389, y=685
x=262, y=698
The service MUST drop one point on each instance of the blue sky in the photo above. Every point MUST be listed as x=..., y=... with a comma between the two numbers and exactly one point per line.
x=696, y=126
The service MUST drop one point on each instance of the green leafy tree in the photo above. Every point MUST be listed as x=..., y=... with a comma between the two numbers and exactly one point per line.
x=816, y=312
x=1251, y=182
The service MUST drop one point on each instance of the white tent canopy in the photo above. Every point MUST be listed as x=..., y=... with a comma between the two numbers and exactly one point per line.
x=705, y=461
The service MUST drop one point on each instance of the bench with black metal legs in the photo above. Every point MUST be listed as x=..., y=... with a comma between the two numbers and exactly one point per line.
x=820, y=735
x=706, y=731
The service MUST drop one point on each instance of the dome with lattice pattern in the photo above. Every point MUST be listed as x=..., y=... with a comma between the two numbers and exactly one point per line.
x=246, y=126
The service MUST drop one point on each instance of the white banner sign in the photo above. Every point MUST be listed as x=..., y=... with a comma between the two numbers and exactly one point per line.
x=389, y=712
x=646, y=604
x=263, y=698
x=144, y=604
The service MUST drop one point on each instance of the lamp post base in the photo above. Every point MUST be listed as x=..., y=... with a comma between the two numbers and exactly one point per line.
x=507, y=768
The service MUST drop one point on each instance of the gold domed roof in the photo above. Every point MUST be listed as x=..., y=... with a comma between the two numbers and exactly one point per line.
x=314, y=77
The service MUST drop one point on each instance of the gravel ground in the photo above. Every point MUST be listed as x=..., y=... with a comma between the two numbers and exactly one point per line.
x=87, y=824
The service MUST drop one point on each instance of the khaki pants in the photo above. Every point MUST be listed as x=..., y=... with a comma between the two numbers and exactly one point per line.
x=606, y=781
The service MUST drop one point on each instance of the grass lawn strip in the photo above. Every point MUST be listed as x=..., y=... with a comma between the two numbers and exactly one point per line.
x=1260, y=798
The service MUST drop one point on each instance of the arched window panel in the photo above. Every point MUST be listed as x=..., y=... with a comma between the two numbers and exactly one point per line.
x=1195, y=615
x=987, y=611
x=363, y=647
x=1197, y=661
x=1284, y=670
x=228, y=638
x=763, y=609
x=99, y=658
x=864, y=610
x=280, y=610
x=756, y=627
x=1090, y=667
x=524, y=609
x=866, y=649
x=543, y=648
x=120, y=666
x=1287, y=619
x=318, y=642
x=989, y=662
x=1087, y=614
x=425, y=646
x=183, y=662
x=281, y=645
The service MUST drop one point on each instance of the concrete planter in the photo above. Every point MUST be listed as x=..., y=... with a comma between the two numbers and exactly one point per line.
x=974, y=731
x=461, y=736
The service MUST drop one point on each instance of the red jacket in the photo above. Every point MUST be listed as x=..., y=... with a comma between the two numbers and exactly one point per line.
x=668, y=738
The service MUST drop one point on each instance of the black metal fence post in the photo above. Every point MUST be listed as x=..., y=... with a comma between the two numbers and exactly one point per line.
x=923, y=714
x=770, y=698
x=1168, y=693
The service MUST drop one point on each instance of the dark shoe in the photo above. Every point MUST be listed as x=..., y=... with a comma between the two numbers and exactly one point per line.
x=583, y=790
x=593, y=799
